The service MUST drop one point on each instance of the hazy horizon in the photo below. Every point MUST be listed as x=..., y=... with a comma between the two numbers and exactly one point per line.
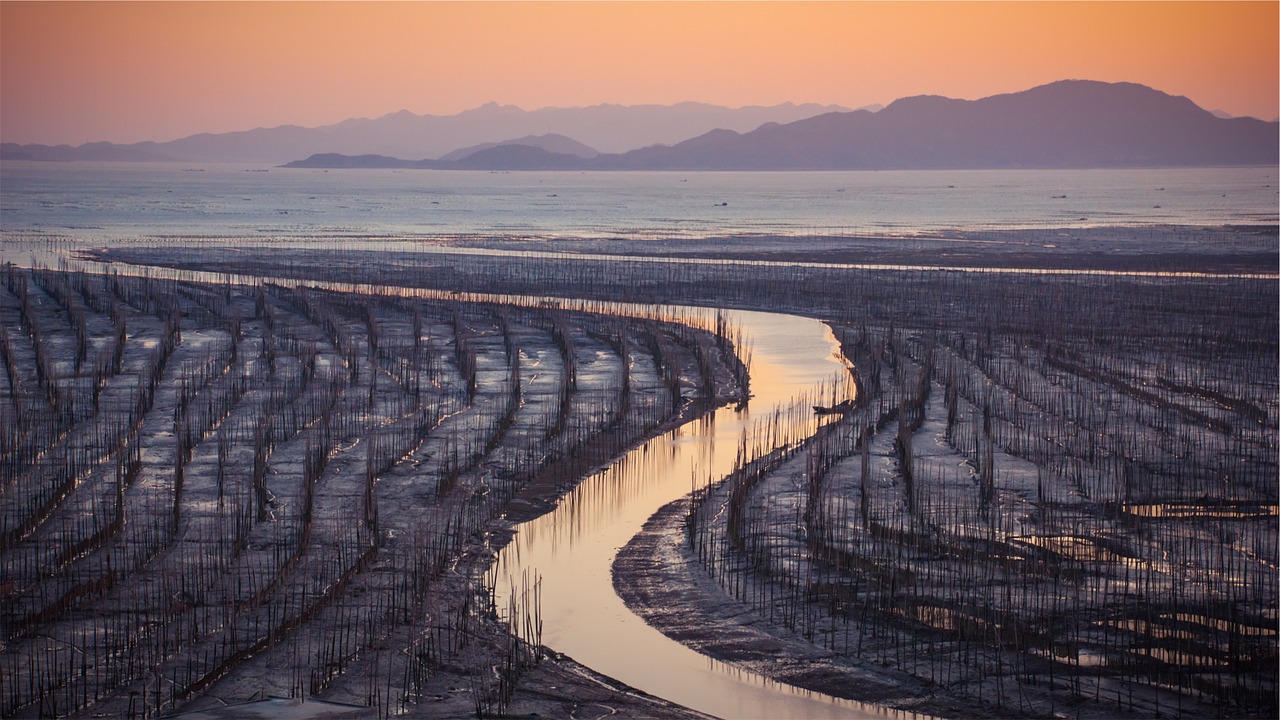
x=828, y=107
x=482, y=106
x=72, y=73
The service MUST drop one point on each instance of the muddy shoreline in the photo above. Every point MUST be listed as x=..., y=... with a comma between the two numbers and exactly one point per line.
x=1244, y=249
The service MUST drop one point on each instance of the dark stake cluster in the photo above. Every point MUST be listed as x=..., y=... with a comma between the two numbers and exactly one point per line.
x=224, y=490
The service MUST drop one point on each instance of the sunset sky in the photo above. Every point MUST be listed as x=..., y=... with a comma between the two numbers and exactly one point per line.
x=123, y=72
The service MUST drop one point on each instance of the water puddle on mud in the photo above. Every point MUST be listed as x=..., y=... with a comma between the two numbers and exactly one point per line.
x=572, y=549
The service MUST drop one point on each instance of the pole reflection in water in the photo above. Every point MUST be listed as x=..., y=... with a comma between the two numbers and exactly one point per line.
x=573, y=548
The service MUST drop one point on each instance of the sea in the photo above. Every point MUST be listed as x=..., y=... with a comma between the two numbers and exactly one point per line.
x=109, y=202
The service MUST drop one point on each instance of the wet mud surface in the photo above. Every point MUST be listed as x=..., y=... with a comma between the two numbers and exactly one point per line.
x=659, y=579
x=1235, y=249
x=221, y=492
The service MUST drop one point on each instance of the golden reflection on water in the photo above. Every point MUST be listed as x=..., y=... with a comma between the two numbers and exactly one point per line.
x=607, y=494
x=1077, y=548
x=795, y=365
x=1214, y=510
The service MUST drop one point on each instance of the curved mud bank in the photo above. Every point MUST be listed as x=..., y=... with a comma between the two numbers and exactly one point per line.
x=572, y=550
x=663, y=583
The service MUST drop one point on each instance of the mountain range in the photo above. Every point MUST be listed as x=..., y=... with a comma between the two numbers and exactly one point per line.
x=603, y=128
x=1066, y=124
x=1062, y=124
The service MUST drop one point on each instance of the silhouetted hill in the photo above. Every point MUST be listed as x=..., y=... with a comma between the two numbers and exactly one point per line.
x=550, y=142
x=1068, y=124
x=609, y=128
x=338, y=160
x=498, y=157
x=517, y=157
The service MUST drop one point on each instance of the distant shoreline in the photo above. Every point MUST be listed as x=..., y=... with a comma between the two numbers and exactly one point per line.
x=529, y=159
x=1221, y=249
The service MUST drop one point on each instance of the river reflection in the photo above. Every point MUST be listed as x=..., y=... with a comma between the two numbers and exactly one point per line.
x=573, y=548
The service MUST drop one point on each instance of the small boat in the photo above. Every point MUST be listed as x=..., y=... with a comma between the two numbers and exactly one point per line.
x=838, y=408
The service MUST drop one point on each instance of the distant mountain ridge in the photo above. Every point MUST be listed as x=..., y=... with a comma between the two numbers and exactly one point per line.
x=86, y=152
x=1066, y=124
x=603, y=128
x=1062, y=124
x=551, y=142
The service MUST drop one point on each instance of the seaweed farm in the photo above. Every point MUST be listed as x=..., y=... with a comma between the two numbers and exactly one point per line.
x=211, y=481
x=1032, y=494
x=1033, y=525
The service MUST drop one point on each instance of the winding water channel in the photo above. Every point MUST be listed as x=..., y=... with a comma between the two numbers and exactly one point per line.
x=573, y=548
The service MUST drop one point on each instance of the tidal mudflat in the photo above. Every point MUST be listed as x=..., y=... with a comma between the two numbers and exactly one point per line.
x=219, y=492
x=1051, y=494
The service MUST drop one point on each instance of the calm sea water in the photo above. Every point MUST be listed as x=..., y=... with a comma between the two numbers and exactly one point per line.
x=106, y=201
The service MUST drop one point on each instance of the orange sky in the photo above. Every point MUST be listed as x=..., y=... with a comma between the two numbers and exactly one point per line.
x=71, y=72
